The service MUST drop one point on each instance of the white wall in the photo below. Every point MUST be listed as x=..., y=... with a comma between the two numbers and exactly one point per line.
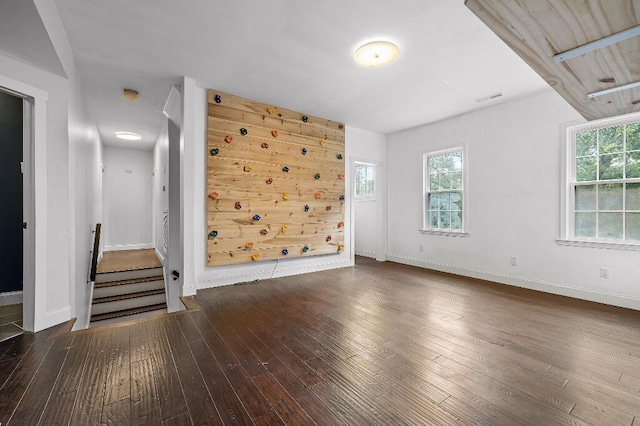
x=370, y=215
x=128, y=198
x=514, y=189
x=195, y=98
x=160, y=189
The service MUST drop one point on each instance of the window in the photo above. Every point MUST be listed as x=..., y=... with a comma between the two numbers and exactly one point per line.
x=443, y=198
x=364, y=180
x=604, y=181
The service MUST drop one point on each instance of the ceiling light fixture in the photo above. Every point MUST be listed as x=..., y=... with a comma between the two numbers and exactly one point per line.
x=130, y=94
x=376, y=54
x=128, y=136
x=614, y=89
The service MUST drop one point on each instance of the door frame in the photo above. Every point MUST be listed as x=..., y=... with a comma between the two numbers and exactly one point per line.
x=34, y=201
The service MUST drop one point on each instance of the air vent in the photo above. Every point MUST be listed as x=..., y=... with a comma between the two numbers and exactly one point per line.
x=490, y=97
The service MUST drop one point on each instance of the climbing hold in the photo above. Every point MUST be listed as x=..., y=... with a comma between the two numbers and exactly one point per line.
x=265, y=145
x=255, y=256
x=285, y=252
x=244, y=132
x=285, y=196
x=323, y=142
x=284, y=228
x=256, y=217
x=264, y=231
x=228, y=139
x=306, y=208
x=213, y=234
x=213, y=195
x=238, y=205
x=271, y=110
x=340, y=126
x=340, y=247
x=341, y=176
x=217, y=98
x=304, y=151
x=339, y=156
x=340, y=224
x=214, y=151
x=317, y=176
x=317, y=195
x=328, y=208
x=328, y=238
x=248, y=246
x=274, y=133
x=305, y=118
x=305, y=249
x=247, y=168
x=285, y=169
x=269, y=181
x=342, y=198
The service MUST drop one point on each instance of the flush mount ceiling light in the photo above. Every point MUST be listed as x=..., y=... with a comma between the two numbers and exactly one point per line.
x=128, y=136
x=376, y=54
x=130, y=94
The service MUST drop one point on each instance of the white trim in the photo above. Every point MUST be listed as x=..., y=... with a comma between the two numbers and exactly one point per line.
x=528, y=283
x=598, y=244
x=129, y=247
x=58, y=316
x=443, y=233
x=268, y=271
x=160, y=256
x=365, y=253
x=10, y=298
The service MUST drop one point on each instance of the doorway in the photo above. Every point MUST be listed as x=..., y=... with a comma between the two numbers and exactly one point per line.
x=12, y=110
x=369, y=212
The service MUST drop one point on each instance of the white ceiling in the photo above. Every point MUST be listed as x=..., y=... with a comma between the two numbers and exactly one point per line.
x=294, y=54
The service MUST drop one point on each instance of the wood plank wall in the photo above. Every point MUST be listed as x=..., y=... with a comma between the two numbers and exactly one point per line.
x=275, y=182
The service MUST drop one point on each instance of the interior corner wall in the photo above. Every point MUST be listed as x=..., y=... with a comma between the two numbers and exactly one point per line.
x=129, y=192
x=513, y=166
x=204, y=277
x=52, y=265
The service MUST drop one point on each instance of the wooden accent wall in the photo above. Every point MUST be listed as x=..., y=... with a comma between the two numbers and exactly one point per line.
x=286, y=167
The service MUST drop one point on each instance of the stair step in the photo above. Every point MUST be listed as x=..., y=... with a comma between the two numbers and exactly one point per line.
x=128, y=301
x=104, y=277
x=127, y=282
x=126, y=296
x=128, y=312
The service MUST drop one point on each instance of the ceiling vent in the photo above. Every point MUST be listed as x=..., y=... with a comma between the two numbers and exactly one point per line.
x=488, y=98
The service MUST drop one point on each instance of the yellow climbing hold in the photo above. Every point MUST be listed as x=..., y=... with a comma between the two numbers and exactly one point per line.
x=285, y=196
x=271, y=110
x=255, y=256
x=340, y=247
x=247, y=168
x=323, y=142
x=284, y=228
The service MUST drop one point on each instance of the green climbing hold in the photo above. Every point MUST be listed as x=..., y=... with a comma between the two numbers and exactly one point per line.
x=213, y=234
x=339, y=156
x=317, y=176
x=243, y=132
x=305, y=118
x=214, y=151
x=305, y=249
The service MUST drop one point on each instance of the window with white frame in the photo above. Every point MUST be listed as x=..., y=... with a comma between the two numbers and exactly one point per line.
x=443, y=196
x=364, y=174
x=604, y=181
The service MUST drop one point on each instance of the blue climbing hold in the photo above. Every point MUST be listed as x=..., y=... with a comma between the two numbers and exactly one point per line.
x=306, y=208
x=217, y=98
x=342, y=198
x=285, y=169
x=304, y=151
x=256, y=217
x=285, y=252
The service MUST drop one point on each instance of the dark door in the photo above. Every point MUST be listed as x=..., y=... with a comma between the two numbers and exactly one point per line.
x=11, y=117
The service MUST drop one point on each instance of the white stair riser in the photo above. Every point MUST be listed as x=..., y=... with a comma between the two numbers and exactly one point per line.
x=116, y=290
x=121, y=305
x=120, y=320
x=128, y=275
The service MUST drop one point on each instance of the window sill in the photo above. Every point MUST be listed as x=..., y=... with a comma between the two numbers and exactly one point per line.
x=599, y=245
x=443, y=233
x=364, y=199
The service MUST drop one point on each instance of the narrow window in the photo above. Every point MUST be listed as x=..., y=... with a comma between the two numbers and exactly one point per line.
x=444, y=180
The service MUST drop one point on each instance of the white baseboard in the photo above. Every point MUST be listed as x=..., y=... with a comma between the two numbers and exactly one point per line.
x=129, y=247
x=10, y=298
x=190, y=290
x=270, y=270
x=57, y=316
x=528, y=283
x=160, y=256
x=365, y=253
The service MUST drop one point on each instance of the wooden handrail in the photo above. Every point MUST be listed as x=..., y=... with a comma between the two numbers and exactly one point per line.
x=94, y=254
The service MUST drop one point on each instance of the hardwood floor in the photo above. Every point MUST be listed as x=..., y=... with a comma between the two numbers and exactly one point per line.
x=379, y=343
x=128, y=260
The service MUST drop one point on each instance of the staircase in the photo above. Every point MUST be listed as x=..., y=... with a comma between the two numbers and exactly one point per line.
x=128, y=285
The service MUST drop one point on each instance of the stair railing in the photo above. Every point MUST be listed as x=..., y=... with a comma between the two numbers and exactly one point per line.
x=94, y=253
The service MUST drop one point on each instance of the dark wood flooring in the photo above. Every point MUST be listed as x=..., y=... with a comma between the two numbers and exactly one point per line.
x=379, y=343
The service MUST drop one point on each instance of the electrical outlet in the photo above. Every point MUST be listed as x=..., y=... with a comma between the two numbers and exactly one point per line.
x=604, y=273
x=421, y=248
x=514, y=261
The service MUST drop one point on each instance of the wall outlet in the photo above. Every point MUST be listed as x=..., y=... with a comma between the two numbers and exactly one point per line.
x=514, y=261
x=421, y=248
x=604, y=273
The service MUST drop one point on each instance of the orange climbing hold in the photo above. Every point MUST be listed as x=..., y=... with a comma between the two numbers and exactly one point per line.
x=274, y=133
x=228, y=139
